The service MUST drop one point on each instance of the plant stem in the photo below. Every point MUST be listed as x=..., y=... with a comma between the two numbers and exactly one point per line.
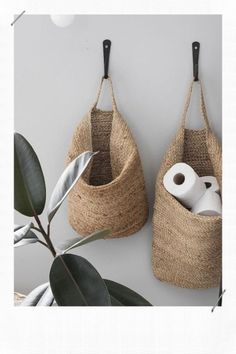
x=36, y=228
x=46, y=236
x=43, y=243
x=48, y=230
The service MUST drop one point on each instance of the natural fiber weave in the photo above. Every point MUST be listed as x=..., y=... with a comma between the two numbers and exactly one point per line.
x=111, y=193
x=186, y=246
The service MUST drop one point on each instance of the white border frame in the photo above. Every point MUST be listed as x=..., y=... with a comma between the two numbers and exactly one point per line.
x=177, y=330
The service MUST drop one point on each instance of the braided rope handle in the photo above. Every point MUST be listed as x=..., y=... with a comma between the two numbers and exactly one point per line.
x=202, y=105
x=112, y=93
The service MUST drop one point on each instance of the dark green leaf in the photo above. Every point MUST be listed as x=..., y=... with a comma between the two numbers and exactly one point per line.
x=80, y=241
x=115, y=302
x=29, y=184
x=75, y=282
x=124, y=295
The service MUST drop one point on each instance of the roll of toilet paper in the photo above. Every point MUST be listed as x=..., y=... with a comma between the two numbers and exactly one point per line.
x=211, y=183
x=183, y=183
x=209, y=204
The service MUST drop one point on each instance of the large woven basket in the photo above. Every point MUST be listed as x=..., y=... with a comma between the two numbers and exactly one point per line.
x=186, y=246
x=111, y=193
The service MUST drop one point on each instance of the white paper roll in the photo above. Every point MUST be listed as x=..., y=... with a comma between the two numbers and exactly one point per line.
x=211, y=183
x=209, y=204
x=183, y=183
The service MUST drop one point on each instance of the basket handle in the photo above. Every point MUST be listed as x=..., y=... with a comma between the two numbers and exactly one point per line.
x=112, y=93
x=202, y=105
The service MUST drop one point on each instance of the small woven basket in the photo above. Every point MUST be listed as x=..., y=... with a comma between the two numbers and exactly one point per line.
x=111, y=193
x=187, y=247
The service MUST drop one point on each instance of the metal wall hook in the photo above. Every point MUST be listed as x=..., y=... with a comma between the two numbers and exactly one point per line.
x=195, y=49
x=106, y=55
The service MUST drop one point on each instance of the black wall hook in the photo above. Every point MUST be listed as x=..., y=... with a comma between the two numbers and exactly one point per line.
x=106, y=55
x=196, y=49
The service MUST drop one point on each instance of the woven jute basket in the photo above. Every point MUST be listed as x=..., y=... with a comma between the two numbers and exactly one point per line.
x=111, y=193
x=187, y=247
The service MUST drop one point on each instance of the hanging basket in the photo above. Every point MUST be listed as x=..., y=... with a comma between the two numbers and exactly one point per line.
x=187, y=247
x=111, y=193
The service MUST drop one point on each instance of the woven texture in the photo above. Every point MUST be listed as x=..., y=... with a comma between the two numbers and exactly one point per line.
x=187, y=247
x=111, y=193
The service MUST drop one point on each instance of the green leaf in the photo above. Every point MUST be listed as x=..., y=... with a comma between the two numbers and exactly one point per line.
x=67, y=181
x=35, y=295
x=23, y=235
x=21, y=231
x=115, y=302
x=26, y=241
x=47, y=298
x=124, y=295
x=75, y=282
x=80, y=241
x=29, y=184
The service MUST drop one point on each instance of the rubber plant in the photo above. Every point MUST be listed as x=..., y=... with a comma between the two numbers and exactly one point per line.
x=73, y=280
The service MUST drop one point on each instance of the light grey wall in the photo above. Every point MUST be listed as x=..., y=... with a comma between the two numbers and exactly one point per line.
x=57, y=72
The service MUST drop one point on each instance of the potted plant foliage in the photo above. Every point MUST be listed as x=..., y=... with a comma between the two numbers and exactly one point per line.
x=73, y=280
